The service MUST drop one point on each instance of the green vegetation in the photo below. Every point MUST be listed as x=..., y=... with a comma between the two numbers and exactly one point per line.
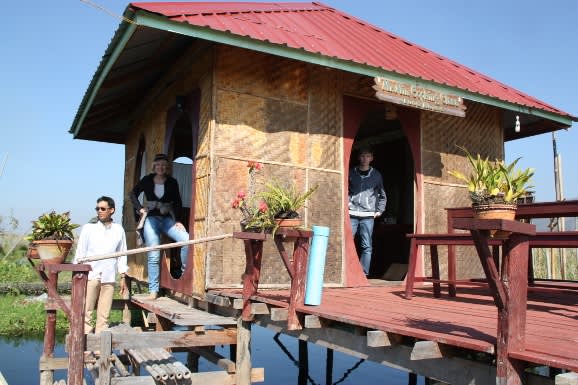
x=552, y=258
x=12, y=245
x=52, y=226
x=17, y=271
x=494, y=182
x=25, y=317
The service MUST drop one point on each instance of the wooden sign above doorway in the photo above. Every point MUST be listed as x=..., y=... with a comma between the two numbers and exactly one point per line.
x=413, y=95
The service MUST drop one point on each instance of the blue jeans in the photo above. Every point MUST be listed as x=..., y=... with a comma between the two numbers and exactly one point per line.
x=154, y=226
x=363, y=225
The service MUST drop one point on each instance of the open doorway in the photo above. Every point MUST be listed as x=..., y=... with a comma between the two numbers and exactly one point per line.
x=181, y=144
x=383, y=132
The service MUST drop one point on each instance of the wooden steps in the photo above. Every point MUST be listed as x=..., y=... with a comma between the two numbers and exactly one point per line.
x=179, y=313
x=147, y=353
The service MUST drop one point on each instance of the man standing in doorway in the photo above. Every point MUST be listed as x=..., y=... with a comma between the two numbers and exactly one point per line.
x=366, y=202
x=100, y=238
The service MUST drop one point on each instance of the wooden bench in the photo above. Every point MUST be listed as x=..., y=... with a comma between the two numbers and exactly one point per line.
x=560, y=239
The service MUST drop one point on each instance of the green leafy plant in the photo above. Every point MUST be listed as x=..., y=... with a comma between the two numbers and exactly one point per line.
x=256, y=215
x=494, y=182
x=284, y=200
x=52, y=226
x=261, y=210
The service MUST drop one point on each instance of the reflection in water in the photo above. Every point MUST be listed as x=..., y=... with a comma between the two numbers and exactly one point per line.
x=276, y=353
x=303, y=363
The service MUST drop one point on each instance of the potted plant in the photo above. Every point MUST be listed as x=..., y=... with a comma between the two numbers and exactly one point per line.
x=284, y=201
x=276, y=206
x=495, y=186
x=52, y=236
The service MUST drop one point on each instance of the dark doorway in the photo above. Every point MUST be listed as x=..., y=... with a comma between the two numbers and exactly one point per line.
x=392, y=158
x=181, y=140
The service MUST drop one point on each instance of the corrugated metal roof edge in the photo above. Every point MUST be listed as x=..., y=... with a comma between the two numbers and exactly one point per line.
x=114, y=49
x=205, y=33
x=143, y=18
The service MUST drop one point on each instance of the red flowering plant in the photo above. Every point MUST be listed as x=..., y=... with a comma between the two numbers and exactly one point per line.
x=256, y=214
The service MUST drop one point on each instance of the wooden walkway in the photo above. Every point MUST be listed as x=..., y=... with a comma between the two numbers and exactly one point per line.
x=468, y=321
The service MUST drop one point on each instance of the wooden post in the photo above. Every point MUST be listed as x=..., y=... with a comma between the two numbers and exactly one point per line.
x=512, y=318
x=329, y=367
x=243, y=359
x=303, y=363
x=76, y=348
x=104, y=359
x=509, y=289
x=435, y=270
x=297, y=296
x=51, y=282
x=253, y=254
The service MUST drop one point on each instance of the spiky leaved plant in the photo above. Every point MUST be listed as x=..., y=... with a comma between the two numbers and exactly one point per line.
x=283, y=200
x=494, y=182
x=52, y=226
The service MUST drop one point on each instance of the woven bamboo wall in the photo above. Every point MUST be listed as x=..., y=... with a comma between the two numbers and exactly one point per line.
x=283, y=114
x=479, y=132
x=192, y=70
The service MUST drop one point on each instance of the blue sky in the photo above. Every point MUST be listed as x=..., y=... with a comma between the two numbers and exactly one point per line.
x=51, y=49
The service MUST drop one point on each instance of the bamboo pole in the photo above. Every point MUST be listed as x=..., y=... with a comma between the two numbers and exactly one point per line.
x=150, y=248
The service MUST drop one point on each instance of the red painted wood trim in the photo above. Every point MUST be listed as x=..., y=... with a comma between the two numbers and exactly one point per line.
x=253, y=255
x=435, y=270
x=76, y=340
x=354, y=109
x=512, y=318
x=284, y=256
x=411, y=268
x=411, y=124
x=297, y=296
x=490, y=269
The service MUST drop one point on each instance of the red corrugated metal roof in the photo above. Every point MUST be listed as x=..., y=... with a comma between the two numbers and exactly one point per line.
x=326, y=31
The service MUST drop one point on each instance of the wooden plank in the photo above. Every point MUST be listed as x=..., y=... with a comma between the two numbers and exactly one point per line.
x=238, y=303
x=53, y=363
x=468, y=321
x=122, y=370
x=377, y=338
x=218, y=300
x=205, y=378
x=179, y=313
x=312, y=322
x=569, y=378
x=217, y=359
x=259, y=308
x=452, y=370
x=167, y=339
x=279, y=314
x=104, y=359
x=427, y=350
x=243, y=353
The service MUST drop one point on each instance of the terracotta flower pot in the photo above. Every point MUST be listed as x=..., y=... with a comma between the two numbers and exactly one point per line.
x=53, y=251
x=288, y=222
x=496, y=211
x=32, y=252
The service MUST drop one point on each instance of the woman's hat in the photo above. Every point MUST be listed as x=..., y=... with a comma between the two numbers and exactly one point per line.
x=160, y=157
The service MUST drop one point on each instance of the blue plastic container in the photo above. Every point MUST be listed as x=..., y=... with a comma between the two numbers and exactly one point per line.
x=316, y=265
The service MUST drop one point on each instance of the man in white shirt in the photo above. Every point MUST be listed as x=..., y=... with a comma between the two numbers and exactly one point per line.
x=102, y=237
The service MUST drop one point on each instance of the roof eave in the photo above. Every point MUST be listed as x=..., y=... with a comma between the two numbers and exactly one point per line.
x=160, y=22
x=133, y=18
x=114, y=49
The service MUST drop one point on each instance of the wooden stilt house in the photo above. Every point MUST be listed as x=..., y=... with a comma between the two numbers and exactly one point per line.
x=297, y=87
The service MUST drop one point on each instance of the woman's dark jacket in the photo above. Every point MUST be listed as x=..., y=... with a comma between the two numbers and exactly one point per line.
x=171, y=196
